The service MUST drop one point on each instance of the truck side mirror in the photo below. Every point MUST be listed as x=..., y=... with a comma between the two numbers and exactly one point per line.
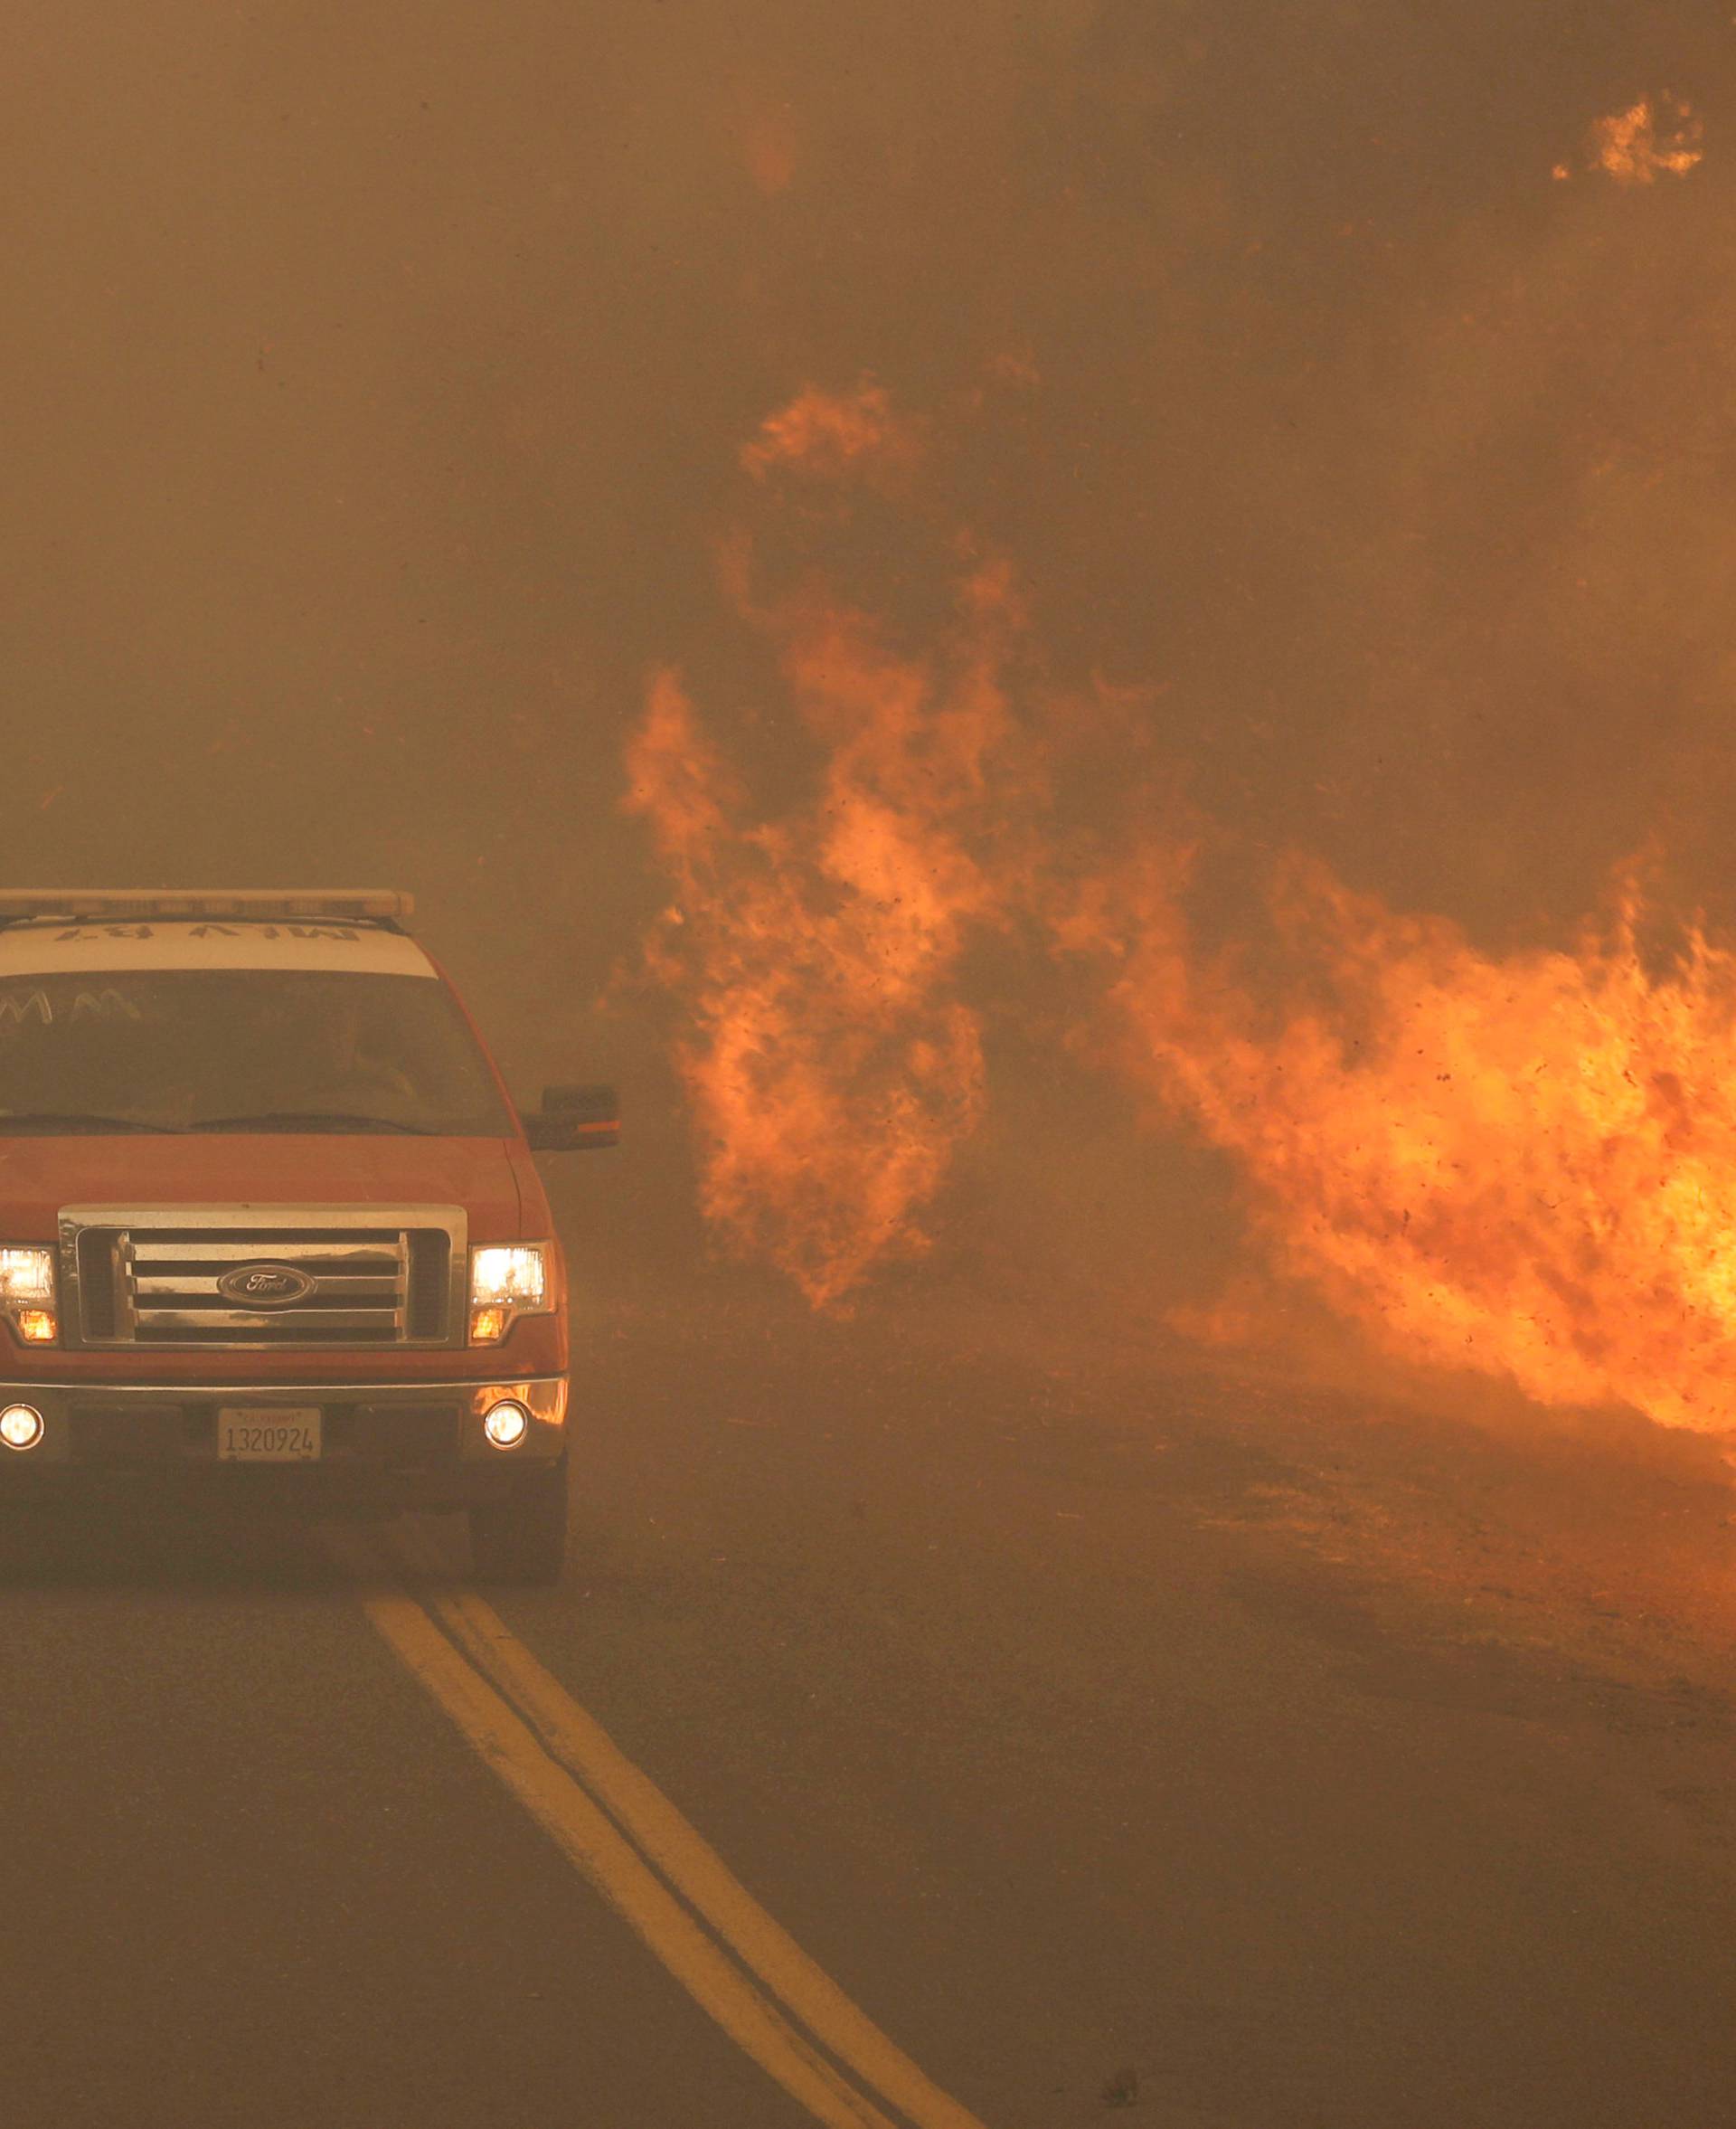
x=574, y=1119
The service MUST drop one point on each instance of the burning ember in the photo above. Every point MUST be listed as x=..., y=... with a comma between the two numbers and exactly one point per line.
x=1638, y=146
x=828, y=436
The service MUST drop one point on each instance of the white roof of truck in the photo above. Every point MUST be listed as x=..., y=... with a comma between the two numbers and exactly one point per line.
x=44, y=947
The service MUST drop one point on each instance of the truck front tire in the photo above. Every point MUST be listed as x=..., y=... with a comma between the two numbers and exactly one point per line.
x=523, y=1539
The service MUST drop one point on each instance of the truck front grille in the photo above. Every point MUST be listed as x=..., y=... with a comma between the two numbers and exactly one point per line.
x=337, y=1282
x=168, y=1287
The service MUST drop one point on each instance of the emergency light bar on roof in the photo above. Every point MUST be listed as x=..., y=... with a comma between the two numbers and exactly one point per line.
x=377, y=905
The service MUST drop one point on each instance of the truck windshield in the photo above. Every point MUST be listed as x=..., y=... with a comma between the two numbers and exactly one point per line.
x=238, y=1050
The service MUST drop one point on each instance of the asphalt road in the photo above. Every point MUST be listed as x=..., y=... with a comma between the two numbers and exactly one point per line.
x=1122, y=1739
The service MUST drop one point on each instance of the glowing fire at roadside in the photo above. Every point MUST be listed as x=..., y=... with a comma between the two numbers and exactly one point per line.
x=1638, y=146
x=829, y=1066
x=1525, y=1166
x=1522, y=1165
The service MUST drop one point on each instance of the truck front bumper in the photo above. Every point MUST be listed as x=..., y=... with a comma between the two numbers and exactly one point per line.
x=382, y=1446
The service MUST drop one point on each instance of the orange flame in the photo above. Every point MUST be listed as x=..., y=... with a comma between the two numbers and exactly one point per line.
x=1522, y=1165
x=1636, y=146
x=830, y=435
x=830, y=1068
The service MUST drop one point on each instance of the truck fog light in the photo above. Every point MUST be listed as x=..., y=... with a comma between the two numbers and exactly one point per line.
x=505, y=1425
x=21, y=1426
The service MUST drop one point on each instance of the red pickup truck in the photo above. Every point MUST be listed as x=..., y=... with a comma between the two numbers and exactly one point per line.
x=269, y=1227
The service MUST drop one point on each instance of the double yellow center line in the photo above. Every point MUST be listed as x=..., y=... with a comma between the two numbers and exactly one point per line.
x=623, y=1835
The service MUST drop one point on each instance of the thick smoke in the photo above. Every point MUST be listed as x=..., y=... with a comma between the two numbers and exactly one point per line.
x=377, y=379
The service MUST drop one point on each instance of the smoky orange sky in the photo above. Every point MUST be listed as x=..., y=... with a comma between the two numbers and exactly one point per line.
x=377, y=379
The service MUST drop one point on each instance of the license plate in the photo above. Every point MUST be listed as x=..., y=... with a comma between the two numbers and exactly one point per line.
x=267, y=1434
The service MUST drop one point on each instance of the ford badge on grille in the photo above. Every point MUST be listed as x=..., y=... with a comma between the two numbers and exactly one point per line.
x=265, y=1286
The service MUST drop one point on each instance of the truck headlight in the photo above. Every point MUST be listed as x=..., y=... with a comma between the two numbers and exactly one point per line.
x=27, y=1298
x=507, y=1280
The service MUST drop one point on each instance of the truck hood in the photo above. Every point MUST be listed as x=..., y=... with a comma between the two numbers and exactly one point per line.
x=38, y=1175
